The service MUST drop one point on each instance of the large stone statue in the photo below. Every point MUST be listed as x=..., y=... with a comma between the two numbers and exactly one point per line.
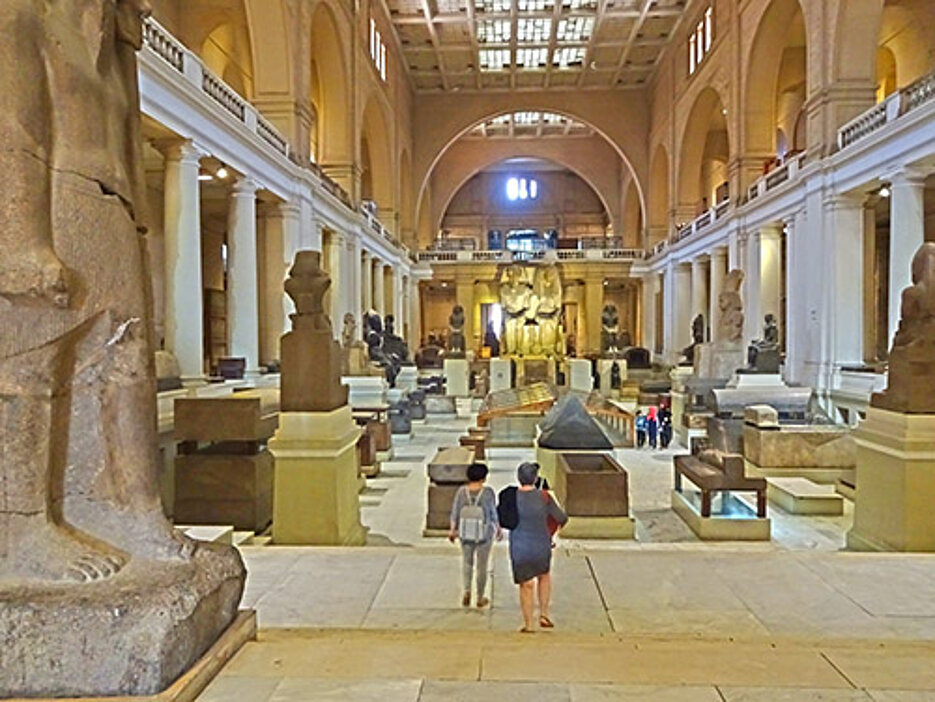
x=311, y=358
x=349, y=330
x=730, y=309
x=547, y=290
x=610, y=330
x=456, y=343
x=77, y=378
x=394, y=347
x=697, y=338
x=911, y=385
x=516, y=301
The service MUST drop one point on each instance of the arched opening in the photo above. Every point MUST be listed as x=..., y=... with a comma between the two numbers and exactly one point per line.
x=226, y=51
x=314, y=98
x=906, y=46
x=407, y=230
x=704, y=155
x=658, y=197
x=632, y=218
x=376, y=167
x=776, y=85
x=329, y=91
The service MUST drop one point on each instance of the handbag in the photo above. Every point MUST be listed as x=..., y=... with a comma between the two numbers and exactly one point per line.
x=550, y=522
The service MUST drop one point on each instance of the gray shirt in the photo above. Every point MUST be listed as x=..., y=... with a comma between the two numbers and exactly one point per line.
x=487, y=501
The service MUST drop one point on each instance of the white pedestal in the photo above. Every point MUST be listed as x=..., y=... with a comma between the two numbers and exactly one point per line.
x=500, y=374
x=579, y=374
x=315, y=498
x=457, y=383
x=365, y=391
x=408, y=379
x=603, y=367
x=756, y=380
x=895, y=483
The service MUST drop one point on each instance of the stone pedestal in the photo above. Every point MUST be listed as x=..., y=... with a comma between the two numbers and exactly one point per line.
x=579, y=374
x=365, y=391
x=718, y=361
x=895, y=483
x=407, y=379
x=315, y=499
x=500, y=374
x=457, y=379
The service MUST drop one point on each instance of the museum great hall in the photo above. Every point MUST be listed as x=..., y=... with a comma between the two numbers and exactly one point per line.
x=384, y=239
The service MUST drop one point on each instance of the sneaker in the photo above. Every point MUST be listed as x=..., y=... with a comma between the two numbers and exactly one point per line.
x=466, y=600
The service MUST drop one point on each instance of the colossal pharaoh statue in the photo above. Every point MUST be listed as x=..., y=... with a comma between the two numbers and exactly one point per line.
x=516, y=300
x=78, y=464
x=547, y=289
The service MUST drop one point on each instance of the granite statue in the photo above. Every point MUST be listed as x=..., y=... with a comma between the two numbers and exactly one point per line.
x=77, y=376
x=456, y=343
x=763, y=354
x=517, y=303
x=697, y=338
x=311, y=357
x=610, y=330
x=911, y=387
x=394, y=346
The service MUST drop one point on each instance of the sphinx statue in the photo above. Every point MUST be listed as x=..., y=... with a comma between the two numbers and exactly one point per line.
x=77, y=376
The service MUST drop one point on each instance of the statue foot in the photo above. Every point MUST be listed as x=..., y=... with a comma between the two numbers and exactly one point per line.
x=53, y=554
x=36, y=273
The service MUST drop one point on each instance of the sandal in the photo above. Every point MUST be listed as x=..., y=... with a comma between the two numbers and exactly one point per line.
x=483, y=602
x=545, y=622
x=524, y=630
x=466, y=600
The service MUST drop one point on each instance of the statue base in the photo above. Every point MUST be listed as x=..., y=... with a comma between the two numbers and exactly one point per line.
x=457, y=377
x=315, y=498
x=131, y=635
x=895, y=483
x=718, y=361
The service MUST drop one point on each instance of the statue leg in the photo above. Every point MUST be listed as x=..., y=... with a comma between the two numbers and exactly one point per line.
x=28, y=264
x=35, y=418
x=113, y=491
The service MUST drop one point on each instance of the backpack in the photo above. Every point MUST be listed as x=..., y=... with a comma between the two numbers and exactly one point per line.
x=506, y=508
x=472, y=522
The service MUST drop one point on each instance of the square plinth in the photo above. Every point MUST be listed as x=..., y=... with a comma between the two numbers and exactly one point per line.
x=450, y=465
x=802, y=496
x=733, y=521
x=591, y=485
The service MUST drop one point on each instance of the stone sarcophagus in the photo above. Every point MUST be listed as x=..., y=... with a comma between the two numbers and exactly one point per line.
x=224, y=474
x=592, y=485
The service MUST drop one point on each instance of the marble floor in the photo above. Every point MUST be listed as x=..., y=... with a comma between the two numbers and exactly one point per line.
x=665, y=617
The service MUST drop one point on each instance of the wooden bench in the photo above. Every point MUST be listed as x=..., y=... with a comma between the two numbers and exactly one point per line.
x=713, y=471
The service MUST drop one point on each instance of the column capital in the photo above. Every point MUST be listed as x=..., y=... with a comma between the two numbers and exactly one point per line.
x=845, y=201
x=184, y=151
x=907, y=176
x=288, y=209
x=719, y=252
x=244, y=186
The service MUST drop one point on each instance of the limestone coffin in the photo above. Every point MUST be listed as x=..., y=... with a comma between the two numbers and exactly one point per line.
x=592, y=485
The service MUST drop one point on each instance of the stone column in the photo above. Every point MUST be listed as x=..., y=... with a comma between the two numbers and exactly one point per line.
x=291, y=237
x=682, y=317
x=338, y=290
x=648, y=312
x=770, y=253
x=464, y=296
x=667, y=280
x=415, y=312
x=366, y=281
x=184, y=294
x=389, y=291
x=717, y=272
x=593, y=307
x=243, y=314
x=379, y=288
x=846, y=233
x=752, y=288
x=699, y=304
x=399, y=296
x=907, y=233
x=354, y=302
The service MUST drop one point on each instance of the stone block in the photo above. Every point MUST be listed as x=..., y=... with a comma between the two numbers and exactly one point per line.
x=591, y=485
x=802, y=496
x=761, y=416
x=501, y=374
x=449, y=465
x=457, y=378
x=579, y=374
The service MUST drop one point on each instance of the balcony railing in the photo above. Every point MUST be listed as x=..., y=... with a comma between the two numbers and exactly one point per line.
x=702, y=221
x=786, y=172
x=504, y=256
x=895, y=106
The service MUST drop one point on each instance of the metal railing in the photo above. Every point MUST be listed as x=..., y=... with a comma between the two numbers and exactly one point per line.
x=704, y=220
x=505, y=256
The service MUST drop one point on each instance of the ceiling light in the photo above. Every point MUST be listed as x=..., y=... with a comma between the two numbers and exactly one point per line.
x=222, y=173
x=885, y=191
x=205, y=176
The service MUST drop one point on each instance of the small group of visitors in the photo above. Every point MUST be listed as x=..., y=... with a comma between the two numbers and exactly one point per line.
x=654, y=427
x=531, y=515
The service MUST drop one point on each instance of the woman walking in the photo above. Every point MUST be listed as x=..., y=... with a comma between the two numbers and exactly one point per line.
x=531, y=546
x=652, y=426
x=474, y=522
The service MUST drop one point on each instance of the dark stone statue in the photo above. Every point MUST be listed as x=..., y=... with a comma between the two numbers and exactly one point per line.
x=615, y=380
x=456, y=342
x=394, y=346
x=911, y=387
x=610, y=330
x=697, y=338
x=763, y=354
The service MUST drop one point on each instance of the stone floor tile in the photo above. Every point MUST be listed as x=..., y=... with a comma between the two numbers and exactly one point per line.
x=642, y=693
x=667, y=621
x=886, y=668
x=455, y=618
x=902, y=695
x=773, y=694
x=237, y=688
x=440, y=691
x=305, y=690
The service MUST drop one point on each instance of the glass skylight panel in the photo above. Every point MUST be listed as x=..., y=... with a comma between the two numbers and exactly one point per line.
x=535, y=5
x=526, y=117
x=494, y=59
x=579, y=4
x=575, y=29
x=550, y=118
x=493, y=31
x=493, y=5
x=568, y=57
x=533, y=30
x=532, y=57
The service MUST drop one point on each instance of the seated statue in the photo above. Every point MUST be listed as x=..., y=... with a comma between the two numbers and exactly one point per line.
x=456, y=341
x=393, y=345
x=763, y=354
x=610, y=330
